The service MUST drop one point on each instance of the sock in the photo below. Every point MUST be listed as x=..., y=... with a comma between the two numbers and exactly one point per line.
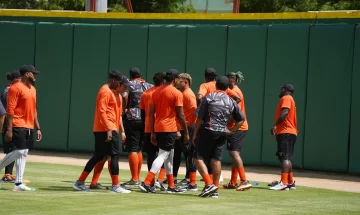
x=161, y=175
x=83, y=176
x=170, y=179
x=207, y=179
x=115, y=180
x=150, y=176
x=242, y=174
x=234, y=174
x=284, y=178
x=97, y=172
x=134, y=166
x=290, y=178
x=109, y=168
x=192, y=178
x=153, y=181
x=211, y=176
x=140, y=158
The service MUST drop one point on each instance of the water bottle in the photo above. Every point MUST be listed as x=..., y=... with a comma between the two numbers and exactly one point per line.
x=255, y=183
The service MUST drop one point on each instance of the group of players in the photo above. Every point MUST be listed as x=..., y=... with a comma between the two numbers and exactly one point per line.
x=163, y=120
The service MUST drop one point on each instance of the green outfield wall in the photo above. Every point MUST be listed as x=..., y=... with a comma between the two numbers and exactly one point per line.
x=321, y=60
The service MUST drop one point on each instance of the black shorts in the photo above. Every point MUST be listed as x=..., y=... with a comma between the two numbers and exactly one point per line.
x=186, y=147
x=134, y=131
x=285, y=146
x=166, y=140
x=210, y=145
x=235, y=141
x=148, y=146
x=23, y=138
x=8, y=147
x=103, y=148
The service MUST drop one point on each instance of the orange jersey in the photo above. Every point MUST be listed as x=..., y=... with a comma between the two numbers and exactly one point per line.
x=241, y=104
x=289, y=125
x=165, y=99
x=22, y=105
x=210, y=87
x=108, y=110
x=145, y=101
x=189, y=99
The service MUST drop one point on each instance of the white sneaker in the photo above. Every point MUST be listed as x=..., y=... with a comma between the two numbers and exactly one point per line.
x=221, y=179
x=119, y=189
x=22, y=187
x=279, y=186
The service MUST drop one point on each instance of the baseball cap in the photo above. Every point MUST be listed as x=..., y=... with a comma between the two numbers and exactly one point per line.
x=173, y=72
x=27, y=68
x=288, y=87
x=124, y=80
x=222, y=82
x=135, y=72
x=15, y=74
x=210, y=72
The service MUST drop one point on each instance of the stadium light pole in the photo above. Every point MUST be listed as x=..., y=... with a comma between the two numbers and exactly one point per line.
x=96, y=5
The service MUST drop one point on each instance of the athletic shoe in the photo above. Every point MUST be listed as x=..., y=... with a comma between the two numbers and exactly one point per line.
x=279, y=186
x=244, y=185
x=13, y=177
x=175, y=190
x=160, y=185
x=145, y=188
x=183, y=182
x=208, y=189
x=274, y=183
x=191, y=187
x=214, y=195
x=22, y=187
x=126, y=186
x=7, y=179
x=80, y=186
x=98, y=187
x=292, y=186
x=229, y=185
x=153, y=188
x=119, y=189
x=132, y=182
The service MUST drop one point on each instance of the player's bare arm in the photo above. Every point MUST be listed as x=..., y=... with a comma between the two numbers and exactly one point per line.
x=198, y=124
x=199, y=98
x=122, y=131
x=38, y=129
x=2, y=118
x=181, y=117
x=239, y=118
x=125, y=97
x=284, y=113
x=9, y=133
x=152, y=122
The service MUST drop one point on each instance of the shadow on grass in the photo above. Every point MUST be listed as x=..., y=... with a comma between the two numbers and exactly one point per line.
x=58, y=188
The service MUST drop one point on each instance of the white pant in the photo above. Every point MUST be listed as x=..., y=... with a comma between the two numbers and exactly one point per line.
x=20, y=157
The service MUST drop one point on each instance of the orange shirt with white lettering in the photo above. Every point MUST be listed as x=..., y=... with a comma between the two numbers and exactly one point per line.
x=189, y=100
x=22, y=105
x=145, y=101
x=289, y=125
x=165, y=99
x=241, y=104
x=108, y=110
x=210, y=87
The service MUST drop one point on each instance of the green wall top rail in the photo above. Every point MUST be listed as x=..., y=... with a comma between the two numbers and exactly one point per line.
x=176, y=16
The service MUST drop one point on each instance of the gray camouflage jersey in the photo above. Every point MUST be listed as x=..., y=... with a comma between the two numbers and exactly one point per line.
x=135, y=90
x=215, y=110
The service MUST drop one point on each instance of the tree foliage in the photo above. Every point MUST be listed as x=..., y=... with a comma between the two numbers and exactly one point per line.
x=180, y=6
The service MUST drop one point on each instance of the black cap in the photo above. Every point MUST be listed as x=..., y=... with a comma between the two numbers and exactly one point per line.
x=135, y=72
x=173, y=72
x=27, y=68
x=124, y=80
x=288, y=87
x=210, y=72
x=16, y=74
x=222, y=82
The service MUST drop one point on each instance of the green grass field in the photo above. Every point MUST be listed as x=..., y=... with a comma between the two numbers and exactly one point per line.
x=54, y=195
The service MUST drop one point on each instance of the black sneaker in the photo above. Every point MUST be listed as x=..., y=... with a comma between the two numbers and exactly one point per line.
x=98, y=187
x=208, y=190
x=153, y=188
x=175, y=190
x=165, y=181
x=183, y=182
x=126, y=187
x=145, y=188
x=7, y=179
x=160, y=185
x=214, y=195
x=191, y=187
x=292, y=186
